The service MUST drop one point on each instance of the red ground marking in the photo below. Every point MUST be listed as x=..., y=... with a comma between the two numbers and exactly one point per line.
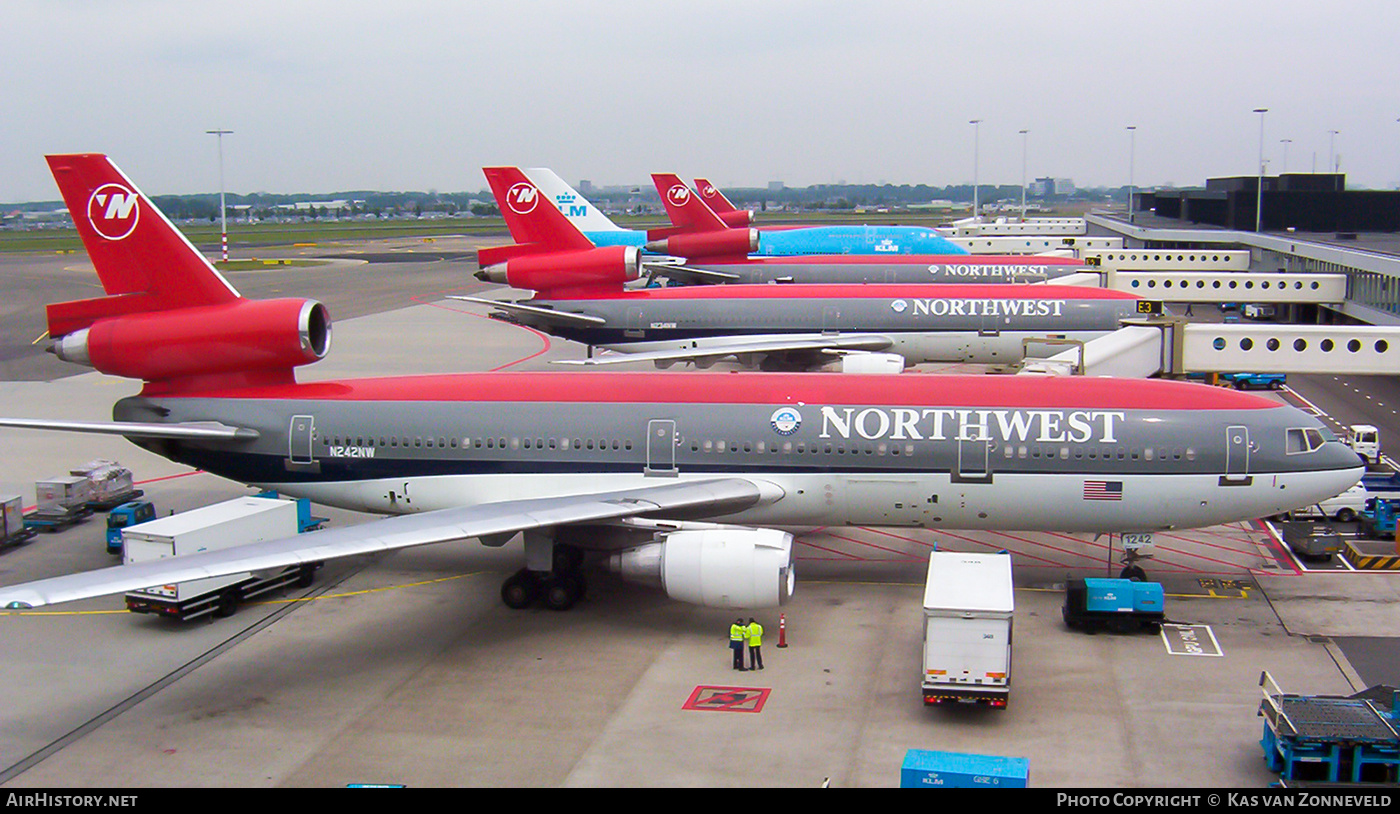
x=727, y=699
x=544, y=338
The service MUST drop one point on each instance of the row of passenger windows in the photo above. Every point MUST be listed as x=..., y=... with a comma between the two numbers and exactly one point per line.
x=514, y=442
x=1301, y=443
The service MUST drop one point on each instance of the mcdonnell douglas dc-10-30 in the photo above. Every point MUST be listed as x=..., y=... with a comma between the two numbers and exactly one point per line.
x=710, y=248
x=877, y=240
x=702, y=234
x=580, y=295
x=686, y=481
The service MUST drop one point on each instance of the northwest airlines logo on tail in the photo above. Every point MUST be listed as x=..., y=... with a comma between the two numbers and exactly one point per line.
x=113, y=211
x=522, y=198
x=678, y=194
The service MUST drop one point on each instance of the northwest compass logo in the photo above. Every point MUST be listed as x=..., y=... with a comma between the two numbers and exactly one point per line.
x=786, y=420
x=522, y=197
x=113, y=211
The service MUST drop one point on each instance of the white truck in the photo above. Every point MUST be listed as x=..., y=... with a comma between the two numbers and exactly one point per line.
x=968, y=609
x=1365, y=440
x=221, y=525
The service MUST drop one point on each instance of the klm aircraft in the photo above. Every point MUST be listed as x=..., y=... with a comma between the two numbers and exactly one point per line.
x=776, y=242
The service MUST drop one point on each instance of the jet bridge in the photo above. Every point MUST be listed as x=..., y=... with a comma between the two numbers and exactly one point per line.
x=1173, y=346
x=1228, y=286
x=1216, y=286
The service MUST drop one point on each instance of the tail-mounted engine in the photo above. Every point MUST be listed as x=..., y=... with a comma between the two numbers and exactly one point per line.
x=240, y=342
x=557, y=272
x=719, y=243
x=713, y=565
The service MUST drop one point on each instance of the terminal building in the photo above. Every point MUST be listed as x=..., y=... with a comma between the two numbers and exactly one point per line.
x=1310, y=223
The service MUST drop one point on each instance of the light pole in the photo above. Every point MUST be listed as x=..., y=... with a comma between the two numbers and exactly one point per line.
x=1259, y=193
x=223, y=212
x=1023, y=175
x=1332, y=150
x=976, y=132
x=1285, y=142
x=1132, y=159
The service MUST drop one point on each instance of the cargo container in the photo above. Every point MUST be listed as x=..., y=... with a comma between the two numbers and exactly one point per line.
x=233, y=522
x=111, y=483
x=925, y=769
x=968, y=609
x=13, y=529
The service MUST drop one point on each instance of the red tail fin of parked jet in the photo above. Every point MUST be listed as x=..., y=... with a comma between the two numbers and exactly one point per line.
x=698, y=231
x=550, y=253
x=169, y=318
x=732, y=215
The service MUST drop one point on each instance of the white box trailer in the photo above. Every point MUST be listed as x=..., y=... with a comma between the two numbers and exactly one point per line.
x=968, y=609
x=231, y=523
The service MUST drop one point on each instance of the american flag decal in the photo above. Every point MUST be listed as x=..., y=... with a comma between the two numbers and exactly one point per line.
x=1103, y=490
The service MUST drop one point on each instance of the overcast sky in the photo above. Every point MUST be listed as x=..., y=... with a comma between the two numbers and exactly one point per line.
x=331, y=95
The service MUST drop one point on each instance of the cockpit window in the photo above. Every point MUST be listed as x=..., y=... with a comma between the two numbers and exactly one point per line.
x=1304, y=439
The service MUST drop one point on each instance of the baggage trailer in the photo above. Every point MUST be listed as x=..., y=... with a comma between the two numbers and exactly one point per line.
x=1121, y=605
x=968, y=608
x=13, y=529
x=111, y=484
x=62, y=501
x=231, y=523
x=1330, y=739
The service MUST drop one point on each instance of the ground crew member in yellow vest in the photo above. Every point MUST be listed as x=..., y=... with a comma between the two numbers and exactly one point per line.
x=755, y=634
x=738, y=634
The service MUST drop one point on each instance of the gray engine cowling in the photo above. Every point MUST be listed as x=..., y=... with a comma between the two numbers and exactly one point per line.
x=713, y=565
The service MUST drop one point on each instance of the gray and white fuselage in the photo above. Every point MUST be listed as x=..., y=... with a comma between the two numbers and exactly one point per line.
x=934, y=451
x=955, y=323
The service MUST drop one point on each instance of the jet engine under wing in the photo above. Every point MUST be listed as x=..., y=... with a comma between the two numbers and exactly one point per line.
x=393, y=533
x=535, y=312
x=193, y=431
x=697, y=350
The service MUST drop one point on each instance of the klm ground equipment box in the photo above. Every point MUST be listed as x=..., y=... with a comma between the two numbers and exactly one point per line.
x=1120, y=605
x=953, y=770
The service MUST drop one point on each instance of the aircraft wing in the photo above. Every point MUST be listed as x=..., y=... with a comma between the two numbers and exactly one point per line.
x=713, y=496
x=680, y=271
x=193, y=430
x=536, y=312
x=703, y=351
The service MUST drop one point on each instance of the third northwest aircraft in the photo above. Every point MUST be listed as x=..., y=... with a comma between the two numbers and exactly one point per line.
x=580, y=295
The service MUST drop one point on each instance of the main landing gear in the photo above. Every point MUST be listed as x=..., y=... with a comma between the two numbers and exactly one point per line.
x=557, y=589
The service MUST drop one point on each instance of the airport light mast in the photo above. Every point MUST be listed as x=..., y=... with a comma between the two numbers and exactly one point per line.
x=1332, y=150
x=1285, y=142
x=1023, y=175
x=223, y=212
x=976, y=131
x=1132, y=156
x=1259, y=193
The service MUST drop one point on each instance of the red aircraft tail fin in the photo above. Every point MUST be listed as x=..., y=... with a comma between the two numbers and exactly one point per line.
x=535, y=223
x=143, y=261
x=169, y=318
x=732, y=215
x=687, y=211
